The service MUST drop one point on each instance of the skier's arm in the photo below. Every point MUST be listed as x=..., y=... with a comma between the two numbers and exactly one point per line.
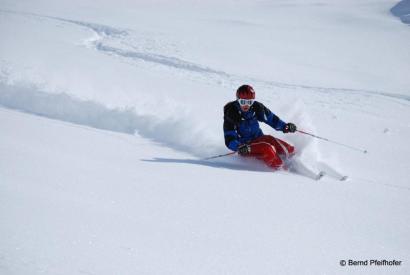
x=230, y=128
x=271, y=119
x=275, y=122
x=230, y=134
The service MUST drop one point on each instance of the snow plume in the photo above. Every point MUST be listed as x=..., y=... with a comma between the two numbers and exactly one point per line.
x=307, y=148
x=298, y=114
x=175, y=131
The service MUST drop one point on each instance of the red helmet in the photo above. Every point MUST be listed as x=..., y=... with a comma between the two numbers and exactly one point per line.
x=245, y=92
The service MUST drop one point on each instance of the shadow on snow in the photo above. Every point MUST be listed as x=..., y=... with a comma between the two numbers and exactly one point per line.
x=255, y=167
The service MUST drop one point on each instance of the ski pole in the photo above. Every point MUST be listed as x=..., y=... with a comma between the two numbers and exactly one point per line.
x=335, y=142
x=218, y=156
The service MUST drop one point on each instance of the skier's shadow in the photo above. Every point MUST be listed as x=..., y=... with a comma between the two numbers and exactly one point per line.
x=214, y=164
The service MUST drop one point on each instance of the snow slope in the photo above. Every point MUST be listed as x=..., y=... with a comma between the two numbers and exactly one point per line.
x=108, y=108
x=79, y=200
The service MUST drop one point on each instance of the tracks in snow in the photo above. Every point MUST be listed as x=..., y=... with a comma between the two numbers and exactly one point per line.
x=109, y=38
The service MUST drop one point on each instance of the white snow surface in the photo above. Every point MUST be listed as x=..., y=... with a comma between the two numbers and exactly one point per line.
x=107, y=109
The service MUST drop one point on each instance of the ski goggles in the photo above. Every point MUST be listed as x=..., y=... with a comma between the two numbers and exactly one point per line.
x=243, y=102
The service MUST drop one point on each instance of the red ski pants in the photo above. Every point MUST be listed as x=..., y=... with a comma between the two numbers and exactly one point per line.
x=268, y=149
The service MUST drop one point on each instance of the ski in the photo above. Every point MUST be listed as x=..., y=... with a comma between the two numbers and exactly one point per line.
x=339, y=178
x=297, y=167
x=343, y=178
x=331, y=172
x=320, y=175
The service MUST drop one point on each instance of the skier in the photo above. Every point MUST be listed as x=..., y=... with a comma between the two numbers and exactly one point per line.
x=243, y=134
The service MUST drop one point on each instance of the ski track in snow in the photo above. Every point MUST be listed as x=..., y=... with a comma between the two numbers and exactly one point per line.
x=219, y=76
x=105, y=33
x=158, y=59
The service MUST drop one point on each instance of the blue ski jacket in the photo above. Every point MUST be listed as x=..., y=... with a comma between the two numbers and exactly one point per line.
x=243, y=127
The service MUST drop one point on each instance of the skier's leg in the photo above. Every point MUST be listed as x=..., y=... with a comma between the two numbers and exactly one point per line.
x=282, y=147
x=289, y=148
x=266, y=152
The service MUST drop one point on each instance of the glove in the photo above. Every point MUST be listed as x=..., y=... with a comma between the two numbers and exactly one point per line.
x=289, y=128
x=244, y=149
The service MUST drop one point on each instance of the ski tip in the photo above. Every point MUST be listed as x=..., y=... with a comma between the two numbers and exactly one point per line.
x=320, y=175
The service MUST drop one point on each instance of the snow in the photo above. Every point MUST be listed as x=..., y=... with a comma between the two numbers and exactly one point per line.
x=108, y=108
